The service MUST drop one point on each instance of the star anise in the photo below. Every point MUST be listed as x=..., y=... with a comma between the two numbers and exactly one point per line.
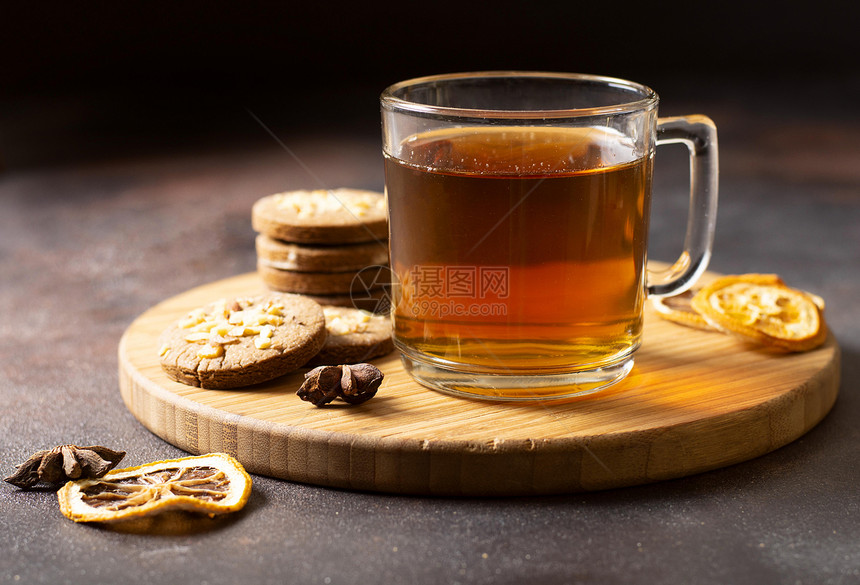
x=60, y=464
x=354, y=383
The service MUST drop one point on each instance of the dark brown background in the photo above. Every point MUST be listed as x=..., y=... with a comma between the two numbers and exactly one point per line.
x=133, y=75
x=132, y=159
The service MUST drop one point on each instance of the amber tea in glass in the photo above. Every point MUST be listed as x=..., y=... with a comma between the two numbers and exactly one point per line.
x=518, y=208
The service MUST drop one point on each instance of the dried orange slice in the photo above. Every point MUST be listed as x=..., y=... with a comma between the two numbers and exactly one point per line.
x=761, y=308
x=212, y=484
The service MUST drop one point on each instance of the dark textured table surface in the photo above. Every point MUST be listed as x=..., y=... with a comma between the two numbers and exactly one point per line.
x=91, y=239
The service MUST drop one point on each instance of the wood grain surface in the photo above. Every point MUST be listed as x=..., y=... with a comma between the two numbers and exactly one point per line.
x=694, y=401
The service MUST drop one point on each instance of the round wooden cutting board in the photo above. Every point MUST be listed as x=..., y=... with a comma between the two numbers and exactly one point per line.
x=694, y=401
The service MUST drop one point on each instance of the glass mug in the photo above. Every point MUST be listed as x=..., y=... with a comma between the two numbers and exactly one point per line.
x=518, y=208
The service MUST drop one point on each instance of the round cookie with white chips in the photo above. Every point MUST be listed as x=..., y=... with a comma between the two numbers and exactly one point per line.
x=281, y=255
x=322, y=216
x=354, y=336
x=237, y=342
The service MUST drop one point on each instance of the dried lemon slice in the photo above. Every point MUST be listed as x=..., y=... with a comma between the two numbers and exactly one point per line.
x=212, y=484
x=761, y=308
x=679, y=310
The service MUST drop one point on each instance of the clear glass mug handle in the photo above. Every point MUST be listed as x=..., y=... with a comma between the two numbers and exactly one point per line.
x=699, y=134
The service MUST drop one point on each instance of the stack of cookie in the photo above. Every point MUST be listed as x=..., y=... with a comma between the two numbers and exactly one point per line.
x=331, y=245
